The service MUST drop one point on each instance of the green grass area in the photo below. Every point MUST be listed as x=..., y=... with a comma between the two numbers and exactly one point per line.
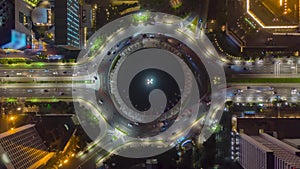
x=264, y=80
x=11, y=99
x=12, y=60
x=177, y=5
x=22, y=62
x=215, y=128
x=96, y=45
x=250, y=23
x=114, y=63
x=38, y=100
x=141, y=17
x=193, y=25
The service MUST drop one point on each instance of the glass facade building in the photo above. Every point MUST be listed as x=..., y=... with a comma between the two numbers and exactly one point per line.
x=67, y=24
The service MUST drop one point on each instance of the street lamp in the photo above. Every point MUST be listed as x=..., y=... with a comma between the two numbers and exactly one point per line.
x=150, y=81
x=11, y=118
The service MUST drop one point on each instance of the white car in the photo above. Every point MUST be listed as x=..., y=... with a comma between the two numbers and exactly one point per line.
x=293, y=91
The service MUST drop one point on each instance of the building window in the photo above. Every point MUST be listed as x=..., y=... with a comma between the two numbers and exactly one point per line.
x=21, y=17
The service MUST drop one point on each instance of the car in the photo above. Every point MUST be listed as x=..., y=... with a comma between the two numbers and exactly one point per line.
x=61, y=93
x=239, y=91
x=151, y=36
x=100, y=101
x=163, y=128
x=129, y=125
x=46, y=90
x=46, y=70
x=293, y=91
x=29, y=91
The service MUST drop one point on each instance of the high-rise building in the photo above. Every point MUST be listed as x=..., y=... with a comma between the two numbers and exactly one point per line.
x=23, y=148
x=7, y=18
x=87, y=22
x=22, y=16
x=253, y=155
x=266, y=152
x=15, y=24
x=67, y=24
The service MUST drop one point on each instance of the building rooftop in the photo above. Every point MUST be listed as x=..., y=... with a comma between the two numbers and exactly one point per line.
x=40, y=16
x=270, y=14
x=16, y=130
x=293, y=142
x=255, y=142
x=23, y=148
x=281, y=150
x=283, y=127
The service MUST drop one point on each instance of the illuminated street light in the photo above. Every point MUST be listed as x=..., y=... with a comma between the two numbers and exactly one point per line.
x=11, y=118
x=150, y=81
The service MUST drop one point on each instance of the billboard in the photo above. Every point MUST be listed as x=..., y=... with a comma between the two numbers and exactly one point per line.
x=18, y=41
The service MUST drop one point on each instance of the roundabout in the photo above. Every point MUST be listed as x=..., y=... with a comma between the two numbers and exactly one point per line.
x=155, y=79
